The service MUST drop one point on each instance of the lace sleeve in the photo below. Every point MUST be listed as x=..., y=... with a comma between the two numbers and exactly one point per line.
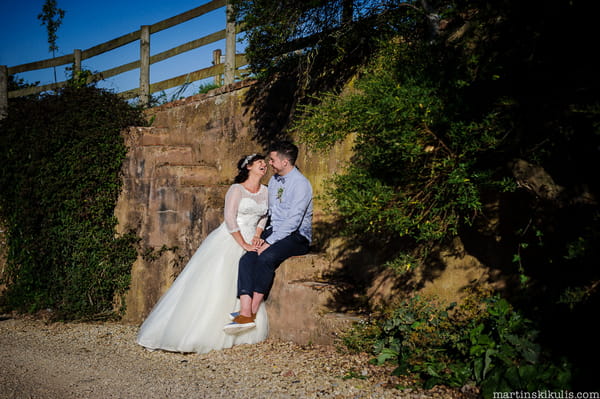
x=232, y=203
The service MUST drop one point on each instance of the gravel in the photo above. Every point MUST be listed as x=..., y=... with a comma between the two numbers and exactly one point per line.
x=101, y=360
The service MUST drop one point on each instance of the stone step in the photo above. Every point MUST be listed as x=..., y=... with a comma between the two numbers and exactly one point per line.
x=152, y=130
x=188, y=175
x=172, y=154
x=155, y=139
x=168, y=136
x=301, y=304
x=149, y=136
x=142, y=162
x=135, y=135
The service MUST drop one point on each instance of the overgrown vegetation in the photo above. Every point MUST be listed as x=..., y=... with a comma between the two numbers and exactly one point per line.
x=60, y=176
x=469, y=120
x=406, y=179
x=482, y=341
x=204, y=88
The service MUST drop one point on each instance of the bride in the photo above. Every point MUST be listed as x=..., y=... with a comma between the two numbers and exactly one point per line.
x=190, y=315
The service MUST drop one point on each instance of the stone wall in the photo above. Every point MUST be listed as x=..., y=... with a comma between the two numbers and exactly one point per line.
x=176, y=174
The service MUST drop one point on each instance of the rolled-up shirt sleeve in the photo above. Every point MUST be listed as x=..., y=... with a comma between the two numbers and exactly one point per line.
x=232, y=203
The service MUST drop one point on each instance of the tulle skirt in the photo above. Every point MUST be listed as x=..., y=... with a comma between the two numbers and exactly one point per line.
x=190, y=316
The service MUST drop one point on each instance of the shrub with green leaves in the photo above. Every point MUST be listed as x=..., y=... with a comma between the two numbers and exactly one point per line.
x=60, y=177
x=414, y=173
x=484, y=341
x=504, y=354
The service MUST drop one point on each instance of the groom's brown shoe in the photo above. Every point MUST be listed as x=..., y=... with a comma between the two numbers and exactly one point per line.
x=233, y=315
x=241, y=319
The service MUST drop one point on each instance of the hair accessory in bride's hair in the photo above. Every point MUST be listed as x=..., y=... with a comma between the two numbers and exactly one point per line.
x=248, y=158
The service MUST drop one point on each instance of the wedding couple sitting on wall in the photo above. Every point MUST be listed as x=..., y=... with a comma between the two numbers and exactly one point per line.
x=217, y=301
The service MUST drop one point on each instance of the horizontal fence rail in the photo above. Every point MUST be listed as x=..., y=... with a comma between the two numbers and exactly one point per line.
x=227, y=69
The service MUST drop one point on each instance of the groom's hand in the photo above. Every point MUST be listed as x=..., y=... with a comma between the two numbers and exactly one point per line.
x=263, y=247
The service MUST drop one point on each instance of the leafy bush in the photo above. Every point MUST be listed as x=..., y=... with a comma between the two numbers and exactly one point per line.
x=483, y=341
x=414, y=173
x=60, y=177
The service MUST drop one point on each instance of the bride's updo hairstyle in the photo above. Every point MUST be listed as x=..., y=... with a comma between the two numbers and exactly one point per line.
x=242, y=166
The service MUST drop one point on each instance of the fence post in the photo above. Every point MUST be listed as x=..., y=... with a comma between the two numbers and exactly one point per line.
x=76, y=62
x=3, y=91
x=229, y=45
x=216, y=61
x=145, y=65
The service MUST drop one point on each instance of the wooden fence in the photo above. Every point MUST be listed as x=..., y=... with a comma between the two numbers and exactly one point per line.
x=227, y=69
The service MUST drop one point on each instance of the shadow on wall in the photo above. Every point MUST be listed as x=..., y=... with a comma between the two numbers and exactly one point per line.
x=273, y=105
x=277, y=97
x=365, y=282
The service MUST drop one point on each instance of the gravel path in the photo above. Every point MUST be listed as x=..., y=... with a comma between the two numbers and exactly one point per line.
x=102, y=360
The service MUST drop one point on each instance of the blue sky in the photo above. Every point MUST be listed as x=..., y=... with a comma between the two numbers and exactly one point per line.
x=89, y=23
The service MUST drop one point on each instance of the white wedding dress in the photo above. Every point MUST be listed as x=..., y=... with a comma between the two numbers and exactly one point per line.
x=191, y=315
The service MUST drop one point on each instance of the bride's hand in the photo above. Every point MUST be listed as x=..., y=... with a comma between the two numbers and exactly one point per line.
x=257, y=242
x=249, y=247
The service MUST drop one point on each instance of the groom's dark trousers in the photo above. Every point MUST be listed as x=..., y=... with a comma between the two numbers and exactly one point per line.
x=256, y=272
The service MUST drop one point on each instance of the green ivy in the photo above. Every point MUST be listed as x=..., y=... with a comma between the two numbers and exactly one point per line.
x=60, y=176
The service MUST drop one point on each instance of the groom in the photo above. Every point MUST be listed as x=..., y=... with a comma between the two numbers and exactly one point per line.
x=289, y=234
